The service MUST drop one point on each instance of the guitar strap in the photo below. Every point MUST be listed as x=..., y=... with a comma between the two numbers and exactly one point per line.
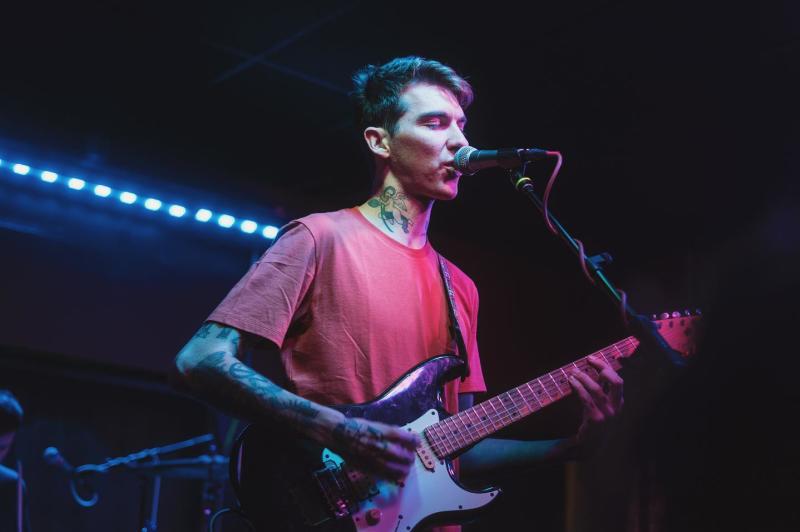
x=455, y=327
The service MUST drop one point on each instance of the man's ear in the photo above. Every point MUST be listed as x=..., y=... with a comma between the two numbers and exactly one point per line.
x=377, y=141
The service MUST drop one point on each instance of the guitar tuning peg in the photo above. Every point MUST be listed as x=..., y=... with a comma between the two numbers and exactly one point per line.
x=676, y=314
x=698, y=312
x=687, y=312
x=664, y=315
x=653, y=317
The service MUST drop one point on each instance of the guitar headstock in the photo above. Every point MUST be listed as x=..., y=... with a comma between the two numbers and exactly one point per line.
x=679, y=329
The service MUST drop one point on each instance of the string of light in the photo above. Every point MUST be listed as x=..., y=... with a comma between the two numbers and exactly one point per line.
x=147, y=201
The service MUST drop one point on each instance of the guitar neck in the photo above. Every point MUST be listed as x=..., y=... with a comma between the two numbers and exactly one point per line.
x=457, y=432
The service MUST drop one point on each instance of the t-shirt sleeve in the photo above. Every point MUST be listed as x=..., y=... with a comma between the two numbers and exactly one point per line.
x=474, y=383
x=269, y=298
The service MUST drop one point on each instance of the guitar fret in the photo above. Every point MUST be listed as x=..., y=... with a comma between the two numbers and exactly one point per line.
x=467, y=433
x=523, y=399
x=484, y=420
x=508, y=412
x=621, y=354
x=544, y=386
x=542, y=394
x=443, y=438
x=558, y=390
x=452, y=441
x=435, y=441
x=475, y=422
x=528, y=384
x=443, y=426
x=487, y=416
x=452, y=428
x=566, y=379
x=497, y=415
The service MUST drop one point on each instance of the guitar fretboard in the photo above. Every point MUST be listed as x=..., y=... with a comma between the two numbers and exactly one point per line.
x=457, y=432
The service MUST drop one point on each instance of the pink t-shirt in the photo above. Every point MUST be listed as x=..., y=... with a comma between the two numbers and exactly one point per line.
x=352, y=309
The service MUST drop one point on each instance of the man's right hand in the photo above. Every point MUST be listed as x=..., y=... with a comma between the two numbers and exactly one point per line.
x=376, y=448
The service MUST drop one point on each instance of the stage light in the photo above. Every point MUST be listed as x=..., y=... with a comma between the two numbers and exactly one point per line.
x=127, y=197
x=152, y=204
x=226, y=220
x=177, y=210
x=49, y=177
x=270, y=232
x=21, y=169
x=248, y=226
x=76, y=184
x=102, y=191
x=202, y=215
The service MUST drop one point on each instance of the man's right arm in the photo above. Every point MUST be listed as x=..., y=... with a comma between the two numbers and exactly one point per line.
x=209, y=369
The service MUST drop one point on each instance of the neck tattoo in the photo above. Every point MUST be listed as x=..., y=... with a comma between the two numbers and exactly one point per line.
x=392, y=209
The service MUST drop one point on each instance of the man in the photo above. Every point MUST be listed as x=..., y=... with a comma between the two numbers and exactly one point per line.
x=10, y=421
x=351, y=300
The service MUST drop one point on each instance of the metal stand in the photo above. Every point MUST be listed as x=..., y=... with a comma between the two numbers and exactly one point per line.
x=640, y=326
x=150, y=467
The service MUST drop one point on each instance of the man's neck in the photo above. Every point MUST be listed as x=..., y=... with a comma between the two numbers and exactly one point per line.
x=401, y=217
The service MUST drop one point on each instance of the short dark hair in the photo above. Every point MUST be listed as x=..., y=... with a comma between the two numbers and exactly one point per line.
x=10, y=412
x=377, y=89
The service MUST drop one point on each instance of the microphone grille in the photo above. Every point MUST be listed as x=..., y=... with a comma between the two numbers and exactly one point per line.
x=461, y=159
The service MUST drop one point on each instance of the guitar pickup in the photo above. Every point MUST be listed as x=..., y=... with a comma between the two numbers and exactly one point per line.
x=426, y=454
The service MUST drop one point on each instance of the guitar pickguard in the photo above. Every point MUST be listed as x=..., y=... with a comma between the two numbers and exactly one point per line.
x=424, y=494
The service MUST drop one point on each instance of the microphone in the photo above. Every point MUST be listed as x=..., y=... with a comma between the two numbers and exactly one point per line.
x=54, y=458
x=469, y=160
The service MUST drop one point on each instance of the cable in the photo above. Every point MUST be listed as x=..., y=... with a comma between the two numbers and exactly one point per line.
x=236, y=511
x=549, y=187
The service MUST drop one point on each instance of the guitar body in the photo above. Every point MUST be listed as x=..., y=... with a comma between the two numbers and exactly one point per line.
x=293, y=484
x=288, y=483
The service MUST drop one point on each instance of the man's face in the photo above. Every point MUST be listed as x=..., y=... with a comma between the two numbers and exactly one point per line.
x=425, y=140
x=5, y=444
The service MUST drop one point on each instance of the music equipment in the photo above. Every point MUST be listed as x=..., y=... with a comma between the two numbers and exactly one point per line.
x=289, y=483
x=469, y=160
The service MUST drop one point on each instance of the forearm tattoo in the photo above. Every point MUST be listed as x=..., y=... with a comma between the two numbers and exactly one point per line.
x=249, y=392
x=392, y=209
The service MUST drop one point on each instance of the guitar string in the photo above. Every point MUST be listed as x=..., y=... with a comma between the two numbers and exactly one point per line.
x=451, y=438
x=505, y=418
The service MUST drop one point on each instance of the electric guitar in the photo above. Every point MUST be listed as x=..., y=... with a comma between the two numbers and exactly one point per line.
x=288, y=483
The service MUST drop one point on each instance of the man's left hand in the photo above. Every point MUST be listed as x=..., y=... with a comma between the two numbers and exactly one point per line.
x=602, y=401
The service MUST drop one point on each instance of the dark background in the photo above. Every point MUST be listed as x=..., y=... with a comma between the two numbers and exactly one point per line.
x=677, y=122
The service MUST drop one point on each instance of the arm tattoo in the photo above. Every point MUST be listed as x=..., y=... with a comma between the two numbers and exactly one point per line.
x=251, y=391
x=388, y=200
x=225, y=332
x=204, y=331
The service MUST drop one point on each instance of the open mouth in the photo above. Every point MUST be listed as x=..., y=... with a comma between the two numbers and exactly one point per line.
x=452, y=173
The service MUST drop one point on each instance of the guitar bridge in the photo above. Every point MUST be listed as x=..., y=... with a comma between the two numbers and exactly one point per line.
x=343, y=488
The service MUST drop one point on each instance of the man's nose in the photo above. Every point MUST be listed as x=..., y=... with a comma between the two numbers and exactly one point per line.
x=457, y=139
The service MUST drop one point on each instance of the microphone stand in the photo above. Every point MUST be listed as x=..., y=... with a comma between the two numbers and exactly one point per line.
x=133, y=462
x=641, y=327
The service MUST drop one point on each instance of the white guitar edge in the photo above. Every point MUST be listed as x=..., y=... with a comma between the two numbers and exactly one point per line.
x=423, y=494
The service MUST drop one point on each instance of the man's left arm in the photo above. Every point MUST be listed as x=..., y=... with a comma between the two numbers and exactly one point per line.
x=602, y=400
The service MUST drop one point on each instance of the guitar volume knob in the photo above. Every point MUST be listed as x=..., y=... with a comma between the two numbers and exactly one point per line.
x=373, y=516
